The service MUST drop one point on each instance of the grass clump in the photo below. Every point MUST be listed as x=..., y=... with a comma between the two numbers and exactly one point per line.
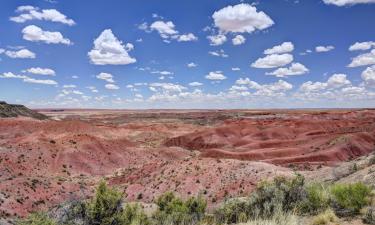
x=349, y=199
x=325, y=218
x=38, y=218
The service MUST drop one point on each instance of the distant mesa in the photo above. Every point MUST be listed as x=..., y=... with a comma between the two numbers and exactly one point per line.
x=13, y=110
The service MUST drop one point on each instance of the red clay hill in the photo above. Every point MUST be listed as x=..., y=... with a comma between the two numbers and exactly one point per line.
x=218, y=153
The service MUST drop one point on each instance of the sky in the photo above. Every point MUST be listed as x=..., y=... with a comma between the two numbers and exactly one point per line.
x=188, y=54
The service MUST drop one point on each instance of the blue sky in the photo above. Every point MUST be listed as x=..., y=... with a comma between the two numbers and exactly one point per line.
x=188, y=54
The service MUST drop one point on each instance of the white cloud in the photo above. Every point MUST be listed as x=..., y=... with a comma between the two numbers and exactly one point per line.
x=165, y=29
x=309, y=86
x=236, y=69
x=238, y=40
x=337, y=81
x=273, y=61
x=112, y=87
x=41, y=71
x=187, y=37
x=280, y=49
x=10, y=75
x=69, y=86
x=21, y=54
x=347, y=2
x=363, y=59
x=219, y=53
x=216, y=75
x=362, y=46
x=241, y=18
x=164, y=72
x=35, y=34
x=36, y=81
x=168, y=87
x=33, y=13
x=324, y=48
x=105, y=76
x=190, y=65
x=108, y=50
x=294, y=69
x=216, y=40
x=195, y=84
x=368, y=76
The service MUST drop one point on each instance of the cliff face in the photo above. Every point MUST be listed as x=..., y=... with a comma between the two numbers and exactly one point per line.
x=12, y=110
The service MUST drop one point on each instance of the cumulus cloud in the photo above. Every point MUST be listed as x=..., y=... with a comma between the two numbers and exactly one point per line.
x=187, y=37
x=294, y=69
x=190, y=65
x=216, y=40
x=280, y=49
x=36, y=34
x=273, y=61
x=33, y=13
x=216, y=75
x=219, y=53
x=105, y=76
x=235, y=69
x=324, y=48
x=26, y=79
x=40, y=71
x=195, y=84
x=69, y=86
x=167, y=31
x=36, y=81
x=21, y=54
x=362, y=46
x=347, y=2
x=368, y=76
x=168, y=87
x=337, y=81
x=108, y=50
x=241, y=18
x=112, y=87
x=238, y=40
x=363, y=59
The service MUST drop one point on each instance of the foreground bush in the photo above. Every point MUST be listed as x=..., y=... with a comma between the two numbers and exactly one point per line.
x=173, y=210
x=270, y=198
x=369, y=216
x=278, y=219
x=317, y=199
x=349, y=199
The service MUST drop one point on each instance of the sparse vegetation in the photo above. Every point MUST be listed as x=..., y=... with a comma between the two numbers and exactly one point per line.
x=325, y=218
x=273, y=202
x=349, y=199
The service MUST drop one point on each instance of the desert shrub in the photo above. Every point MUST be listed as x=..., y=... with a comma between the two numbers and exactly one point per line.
x=37, y=219
x=324, y=218
x=349, y=199
x=282, y=194
x=317, y=199
x=268, y=199
x=133, y=215
x=369, y=216
x=233, y=211
x=279, y=218
x=105, y=207
x=173, y=210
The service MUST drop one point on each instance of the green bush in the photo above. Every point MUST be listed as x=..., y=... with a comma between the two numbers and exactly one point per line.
x=349, y=199
x=268, y=199
x=105, y=207
x=134, y=215
x=317, y=199
x=37, y=219
x=173, y=210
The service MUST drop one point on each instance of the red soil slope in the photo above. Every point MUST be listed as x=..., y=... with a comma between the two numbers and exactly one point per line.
x=43, y=163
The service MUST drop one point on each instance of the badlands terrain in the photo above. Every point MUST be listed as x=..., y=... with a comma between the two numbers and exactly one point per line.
x=217, y=153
